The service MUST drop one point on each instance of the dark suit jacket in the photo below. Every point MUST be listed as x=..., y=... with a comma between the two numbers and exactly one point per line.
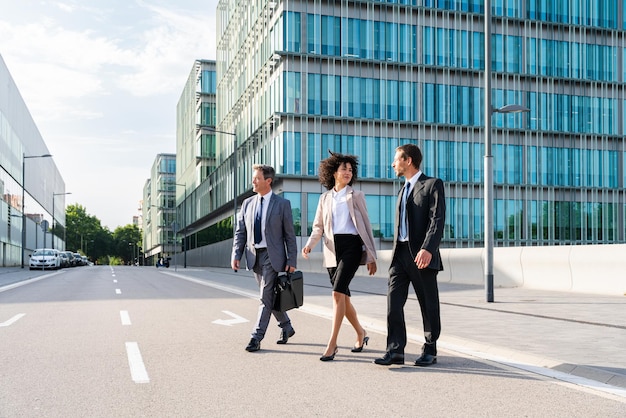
x=426, y=215
x=279, y=233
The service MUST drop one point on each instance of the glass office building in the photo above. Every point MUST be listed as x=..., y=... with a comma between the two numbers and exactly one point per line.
x=26, y=167
x=159, y=210
x=196, y=152
x=297, y=78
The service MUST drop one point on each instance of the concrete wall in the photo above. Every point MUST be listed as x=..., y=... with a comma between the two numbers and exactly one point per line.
x=583, y=268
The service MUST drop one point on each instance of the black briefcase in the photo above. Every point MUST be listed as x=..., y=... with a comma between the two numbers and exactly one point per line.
x=288, y=291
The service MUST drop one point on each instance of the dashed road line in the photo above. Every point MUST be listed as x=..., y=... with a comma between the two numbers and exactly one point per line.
x=125, y=318
x=135, y=361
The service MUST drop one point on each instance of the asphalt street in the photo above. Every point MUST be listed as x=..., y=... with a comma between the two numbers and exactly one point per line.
x=139, y=341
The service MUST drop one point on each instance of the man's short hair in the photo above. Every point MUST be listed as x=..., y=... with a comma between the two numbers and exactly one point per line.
x=267, y=170
x=413, y=151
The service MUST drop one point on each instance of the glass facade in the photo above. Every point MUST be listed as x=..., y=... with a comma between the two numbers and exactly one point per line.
x=196, y=147
x=364, y=77
x=159, y=210
x=22, y=170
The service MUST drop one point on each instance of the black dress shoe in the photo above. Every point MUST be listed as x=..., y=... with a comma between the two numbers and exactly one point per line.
x=426, y=360
x=253, y=345
x=389, y=359
x=285, y=336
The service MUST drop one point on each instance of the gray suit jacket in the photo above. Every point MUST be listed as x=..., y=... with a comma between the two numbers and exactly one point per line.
x=426, y=215
x=279, y=233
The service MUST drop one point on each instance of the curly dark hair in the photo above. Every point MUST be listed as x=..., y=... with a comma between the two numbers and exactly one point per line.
x=330, y=165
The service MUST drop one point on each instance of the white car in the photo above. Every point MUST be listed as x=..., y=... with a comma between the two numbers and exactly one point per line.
x=45, y=258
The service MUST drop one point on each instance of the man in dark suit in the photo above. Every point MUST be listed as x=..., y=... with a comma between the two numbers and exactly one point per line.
x=419, y=225
x=265, y=236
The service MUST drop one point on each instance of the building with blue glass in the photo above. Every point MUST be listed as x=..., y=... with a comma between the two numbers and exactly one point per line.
x=297, y=78
x=32, y=190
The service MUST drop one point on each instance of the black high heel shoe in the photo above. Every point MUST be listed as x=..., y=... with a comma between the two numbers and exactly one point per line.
x=329, y=358
x=356, y=349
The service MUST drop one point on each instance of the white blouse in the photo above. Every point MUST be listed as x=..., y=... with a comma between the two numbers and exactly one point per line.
x=342, y=222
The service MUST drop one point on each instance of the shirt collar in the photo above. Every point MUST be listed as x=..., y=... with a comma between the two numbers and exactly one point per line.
x=266, y=196
x=341, y=192
x=413, y=179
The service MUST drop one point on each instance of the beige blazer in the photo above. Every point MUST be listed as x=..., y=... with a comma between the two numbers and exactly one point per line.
x=323, y=226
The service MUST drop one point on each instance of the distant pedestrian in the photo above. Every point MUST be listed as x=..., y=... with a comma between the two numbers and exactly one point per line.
x=342, y=219
x=265, y=238
x=419, y=225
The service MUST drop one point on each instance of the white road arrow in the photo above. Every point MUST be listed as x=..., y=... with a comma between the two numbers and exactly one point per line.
x=228, y=322
x=12, y=320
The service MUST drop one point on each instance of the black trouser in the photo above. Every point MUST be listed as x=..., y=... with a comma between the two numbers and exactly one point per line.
x=403, y=272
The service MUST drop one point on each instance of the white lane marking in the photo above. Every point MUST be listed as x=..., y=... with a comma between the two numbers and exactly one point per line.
x=12, y=320
x=114, y=275
x=125, y=317
x=114, y=280
x=25, y=282
x=137, y=368
x=228, y=322
x=118, y=292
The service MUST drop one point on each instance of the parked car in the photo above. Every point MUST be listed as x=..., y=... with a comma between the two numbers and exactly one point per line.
x=79, y=259
x=70, y=258
x=45, y=258
x=65, y=260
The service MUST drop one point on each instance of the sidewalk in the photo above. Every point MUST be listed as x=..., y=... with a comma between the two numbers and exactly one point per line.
x=581, y=335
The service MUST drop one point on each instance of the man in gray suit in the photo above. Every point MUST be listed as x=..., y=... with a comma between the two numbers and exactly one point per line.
x=265, y=236
x=415, y=259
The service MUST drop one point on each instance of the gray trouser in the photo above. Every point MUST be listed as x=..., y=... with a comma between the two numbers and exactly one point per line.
x=265, y=276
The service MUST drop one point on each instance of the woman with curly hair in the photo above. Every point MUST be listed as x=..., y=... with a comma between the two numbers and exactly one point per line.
x=341, y=218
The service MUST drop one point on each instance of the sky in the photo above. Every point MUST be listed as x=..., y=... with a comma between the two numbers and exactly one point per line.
x=101, y=79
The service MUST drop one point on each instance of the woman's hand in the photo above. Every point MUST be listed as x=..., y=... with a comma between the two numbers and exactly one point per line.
x=305, y=252
x=371, y=268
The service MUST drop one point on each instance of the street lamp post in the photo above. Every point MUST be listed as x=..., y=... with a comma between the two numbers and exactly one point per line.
x=211, y=129
x=24, y=157
x=53, y=220
x=184, y=225
x=488, y=160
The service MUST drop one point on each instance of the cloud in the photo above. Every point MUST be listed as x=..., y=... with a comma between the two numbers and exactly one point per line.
x=81, y=63
x=102, y=82
x=168, y=50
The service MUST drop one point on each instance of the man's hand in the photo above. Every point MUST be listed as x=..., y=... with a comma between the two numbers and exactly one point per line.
x=422, y=260
x=235, y=265
x=290, y=269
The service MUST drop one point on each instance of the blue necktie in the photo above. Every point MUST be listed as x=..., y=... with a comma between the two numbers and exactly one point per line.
x=403, y=220
x=257, y=223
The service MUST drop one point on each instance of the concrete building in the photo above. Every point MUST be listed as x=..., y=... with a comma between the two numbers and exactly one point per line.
x=28, y=175
x=297, y=78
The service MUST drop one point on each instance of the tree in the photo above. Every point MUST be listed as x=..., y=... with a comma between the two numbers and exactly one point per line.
x=85, y=234
x=126, y=240
x=84, y=231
